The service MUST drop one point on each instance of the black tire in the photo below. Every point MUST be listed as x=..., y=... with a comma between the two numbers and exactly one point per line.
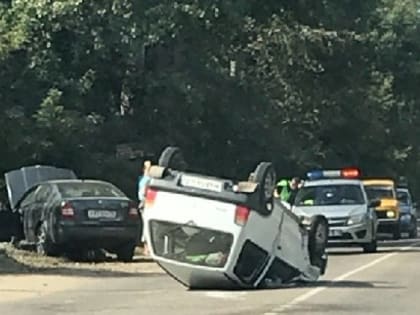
x=44, y=245
x=126, y=253
x=172, y=158
x=396, y=232
x=265, y=176
x=413, y=232
x=317, y=243
x=371, y=247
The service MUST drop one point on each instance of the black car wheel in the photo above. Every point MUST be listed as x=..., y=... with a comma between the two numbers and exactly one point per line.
x=265, y=176
x=44, y=246
x=318, y=239
x=126, y=252
x=172, y=158
x=370, y=247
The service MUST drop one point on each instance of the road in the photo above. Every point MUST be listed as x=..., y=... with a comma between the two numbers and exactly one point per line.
x=386, y=282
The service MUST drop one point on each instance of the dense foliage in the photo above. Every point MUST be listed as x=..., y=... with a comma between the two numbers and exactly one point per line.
x=303, y=83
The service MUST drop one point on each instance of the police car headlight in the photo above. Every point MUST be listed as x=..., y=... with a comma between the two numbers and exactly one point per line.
x=356, y=219
x=390, y=214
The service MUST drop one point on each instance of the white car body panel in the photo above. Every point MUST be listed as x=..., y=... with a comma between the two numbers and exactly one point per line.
x=276, y=234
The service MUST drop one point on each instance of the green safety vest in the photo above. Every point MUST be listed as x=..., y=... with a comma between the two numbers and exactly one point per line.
x=285, y=191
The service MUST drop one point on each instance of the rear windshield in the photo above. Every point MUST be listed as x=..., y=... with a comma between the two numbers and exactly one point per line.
x=378, y=192
x=190, y=244
x=84, y=189
x=329, y=195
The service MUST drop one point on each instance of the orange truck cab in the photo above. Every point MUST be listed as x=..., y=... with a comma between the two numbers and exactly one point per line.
x=388, y=212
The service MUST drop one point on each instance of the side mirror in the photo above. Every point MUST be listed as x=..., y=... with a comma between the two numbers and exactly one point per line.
x=414, y=204
x=374, y=203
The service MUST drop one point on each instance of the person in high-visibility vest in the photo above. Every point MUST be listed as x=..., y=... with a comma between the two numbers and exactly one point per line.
x=286, y=190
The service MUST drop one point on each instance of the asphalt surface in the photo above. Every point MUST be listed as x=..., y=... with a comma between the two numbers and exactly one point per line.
x=386, y=282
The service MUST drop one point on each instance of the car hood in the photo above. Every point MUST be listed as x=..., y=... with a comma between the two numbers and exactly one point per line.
x=330, y=211
x=19, y=181
x=388, y=203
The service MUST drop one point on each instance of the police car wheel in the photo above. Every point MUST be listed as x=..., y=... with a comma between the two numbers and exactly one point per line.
x=370, y=247
x=265, y=176
x=318, y=238
x=172, y=158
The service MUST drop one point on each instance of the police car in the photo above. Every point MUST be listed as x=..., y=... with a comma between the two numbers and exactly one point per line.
x=339, y=195
x=211, y=232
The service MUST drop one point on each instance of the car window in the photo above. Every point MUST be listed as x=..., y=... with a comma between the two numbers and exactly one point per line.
x=403, y=198
x=86, y=189
x=329, y=195
x=379, y=191
x=44, y=193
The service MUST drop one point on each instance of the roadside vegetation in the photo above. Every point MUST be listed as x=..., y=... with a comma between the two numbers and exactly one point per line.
x=302, y=83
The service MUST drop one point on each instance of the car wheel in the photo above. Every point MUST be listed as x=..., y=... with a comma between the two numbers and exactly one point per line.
x=318, y=239
x=44, y=246
x=370, y=247
x=265, y=176
x=126, y=252
x=172, y=158
x=413, y=232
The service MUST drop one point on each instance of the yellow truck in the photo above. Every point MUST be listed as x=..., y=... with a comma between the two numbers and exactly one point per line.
x=388, y=213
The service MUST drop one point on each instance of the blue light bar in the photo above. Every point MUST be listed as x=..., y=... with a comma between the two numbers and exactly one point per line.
x=315, y=174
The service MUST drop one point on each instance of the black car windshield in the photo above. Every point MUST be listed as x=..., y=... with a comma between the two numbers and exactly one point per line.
x=88, y=189
x=329, y=195
x=403, y=197
x=378, y=192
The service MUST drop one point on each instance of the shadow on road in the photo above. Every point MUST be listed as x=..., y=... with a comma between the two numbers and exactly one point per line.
x=358, y=252
x=384, y=247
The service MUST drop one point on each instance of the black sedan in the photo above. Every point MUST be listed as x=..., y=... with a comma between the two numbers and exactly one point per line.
x=74, y=215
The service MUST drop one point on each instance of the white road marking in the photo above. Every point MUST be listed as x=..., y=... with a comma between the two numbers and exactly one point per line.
x=344, y=276
x=226, y=295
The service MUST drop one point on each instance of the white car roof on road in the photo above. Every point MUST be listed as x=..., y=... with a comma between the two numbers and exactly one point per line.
x=334, y=181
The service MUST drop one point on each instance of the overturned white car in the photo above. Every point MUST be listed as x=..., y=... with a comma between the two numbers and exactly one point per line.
x=209, y=232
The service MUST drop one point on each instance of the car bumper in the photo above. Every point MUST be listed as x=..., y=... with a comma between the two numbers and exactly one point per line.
x=96, y=236
x=356, y=234
x=388, y=225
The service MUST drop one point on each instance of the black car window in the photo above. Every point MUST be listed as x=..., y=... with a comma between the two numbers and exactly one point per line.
x=403, y=197
x=88, y=189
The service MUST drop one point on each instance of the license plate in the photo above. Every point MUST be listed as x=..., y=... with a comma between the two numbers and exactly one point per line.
x=201, y=183
x=335, y=233
x=102, y=214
